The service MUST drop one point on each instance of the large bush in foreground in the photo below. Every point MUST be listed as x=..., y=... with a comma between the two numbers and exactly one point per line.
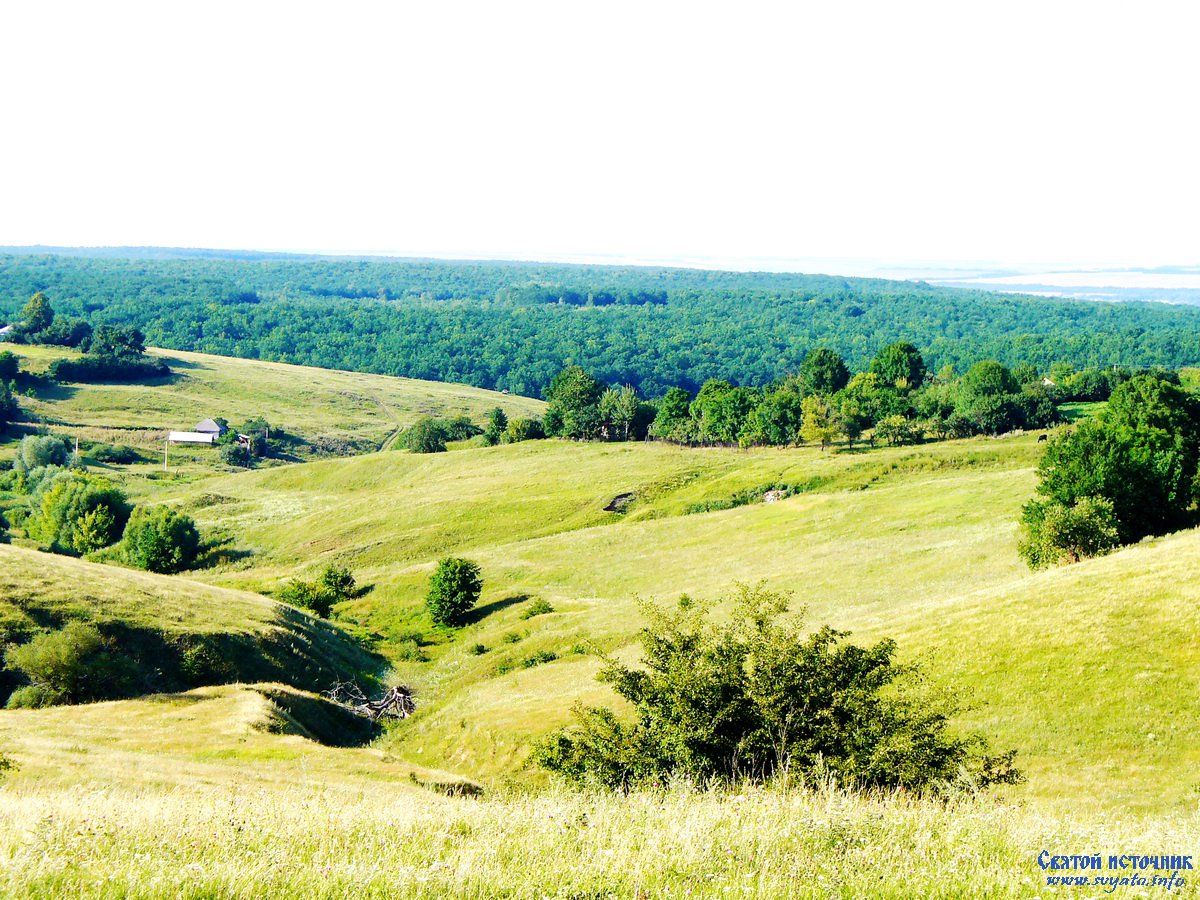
x=453, y=590
x=755, y=697
x=160, y=539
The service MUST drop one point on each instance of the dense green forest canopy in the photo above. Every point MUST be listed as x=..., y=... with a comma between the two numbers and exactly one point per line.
x=514, y=325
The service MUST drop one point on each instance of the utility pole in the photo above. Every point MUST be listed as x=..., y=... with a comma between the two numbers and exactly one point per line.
x=166, y=444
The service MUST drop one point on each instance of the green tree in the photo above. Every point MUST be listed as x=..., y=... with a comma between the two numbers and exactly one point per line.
x=819, y=424
x=756, y=696
x=37, y=450
x=79, y=513
x=1141, y=454
x=617, y=408
x=988, y=379
x=899, y=365
x=823, y=372
x=37, y=315
x=425, y=436
x=160, y=539
x=497, y=422
x=673, y=420
x=573, y=400
x=235, y=453
x=454, y=590
x=10, y=366
x=776, y=420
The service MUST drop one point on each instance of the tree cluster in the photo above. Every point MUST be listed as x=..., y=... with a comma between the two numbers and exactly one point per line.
x=1127, y=473
x=895, y=400
x=72, y=511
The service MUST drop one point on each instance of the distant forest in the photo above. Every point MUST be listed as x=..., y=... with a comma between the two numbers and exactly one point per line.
x=515, y=325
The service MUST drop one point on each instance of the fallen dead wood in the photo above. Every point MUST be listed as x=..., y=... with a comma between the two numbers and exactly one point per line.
x=396, y=703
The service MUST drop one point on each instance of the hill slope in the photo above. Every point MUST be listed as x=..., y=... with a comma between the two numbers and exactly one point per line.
x=325, y=406
x=918, y=544
x=163, y=622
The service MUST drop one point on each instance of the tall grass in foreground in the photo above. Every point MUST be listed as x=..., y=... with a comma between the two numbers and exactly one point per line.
x=401, y=842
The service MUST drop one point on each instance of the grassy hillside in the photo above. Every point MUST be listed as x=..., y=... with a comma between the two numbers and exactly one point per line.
x=158, y=619
x=913, y=543
x=201, y=795
x=363, y=410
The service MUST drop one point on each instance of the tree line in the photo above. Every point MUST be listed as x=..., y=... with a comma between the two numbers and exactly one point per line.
x=514, y=326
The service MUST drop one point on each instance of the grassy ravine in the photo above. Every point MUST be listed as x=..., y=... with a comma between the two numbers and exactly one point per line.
x=363, y=410
x=1086, y=670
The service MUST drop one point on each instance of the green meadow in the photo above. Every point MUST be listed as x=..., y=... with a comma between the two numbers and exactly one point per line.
x=363, y=411
x=1090, y=671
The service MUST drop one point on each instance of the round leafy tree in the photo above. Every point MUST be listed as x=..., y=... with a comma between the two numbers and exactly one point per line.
x=453, y=590
x=160, y=539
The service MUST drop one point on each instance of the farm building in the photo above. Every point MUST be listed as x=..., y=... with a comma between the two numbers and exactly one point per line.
x=210, y=426
x=191, y=437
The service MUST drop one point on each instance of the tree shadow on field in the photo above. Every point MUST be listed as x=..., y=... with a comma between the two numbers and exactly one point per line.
x=220, y=551
x=479, y=613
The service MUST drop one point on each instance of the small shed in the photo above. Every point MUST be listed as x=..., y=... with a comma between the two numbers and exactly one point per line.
x=209, y=426
x=1047, y=382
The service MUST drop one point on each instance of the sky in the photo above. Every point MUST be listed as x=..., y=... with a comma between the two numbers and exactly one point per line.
x=745, y=134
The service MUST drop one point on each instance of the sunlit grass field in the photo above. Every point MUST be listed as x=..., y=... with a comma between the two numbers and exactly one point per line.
x=1090, y=671
x=199, y=796
x=365, y=409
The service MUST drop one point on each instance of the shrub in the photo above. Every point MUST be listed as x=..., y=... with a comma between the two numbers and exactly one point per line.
x=72, y=665
x=338, y=582
x=236, y=454
x=334, y=585
x=523, y=430
x=119, y=454
x=306, y=595
x=539, y=607
x=478, y=649
x=410, y=651
x=513, y=637
x=78, y=513
x=454, y=590
x=425, y=436
x=39, y=450
x=755, y=697
x=536, y=659
x=1053, y=532
x=160, y=539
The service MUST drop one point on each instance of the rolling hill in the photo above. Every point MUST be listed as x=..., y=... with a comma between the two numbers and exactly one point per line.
x=342, y=411
x=248, y=788
x=912, y=543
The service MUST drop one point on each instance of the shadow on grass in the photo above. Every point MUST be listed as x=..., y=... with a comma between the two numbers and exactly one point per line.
x=479, y=613
x=220, y=551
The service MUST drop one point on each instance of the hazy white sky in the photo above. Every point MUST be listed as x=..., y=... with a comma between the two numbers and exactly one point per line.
x=902, y=131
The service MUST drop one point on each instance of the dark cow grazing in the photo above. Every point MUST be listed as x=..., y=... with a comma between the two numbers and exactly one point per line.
x=1041, y=437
